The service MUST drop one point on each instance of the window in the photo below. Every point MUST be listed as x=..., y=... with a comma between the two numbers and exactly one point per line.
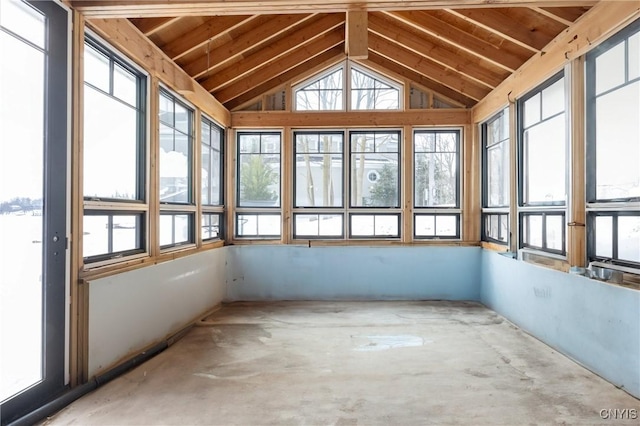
x=369, y=93
x=362, y=88
x=542, y=133
x=177, y=206
x=613, y=149
x=114, y=165
x=496, y=178
x=436, y=183
x=318, y=183
x=258, y=185
x=212, y=143
x=374, y=182
x=322, y=94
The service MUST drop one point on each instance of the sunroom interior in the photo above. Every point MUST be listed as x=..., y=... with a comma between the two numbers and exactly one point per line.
x=186, y=155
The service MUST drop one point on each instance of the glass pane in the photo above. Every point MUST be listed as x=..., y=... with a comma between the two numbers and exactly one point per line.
x=95, y=240
x=270, y=144
x=553, y=99
x=446, y=226
x=110, y=147
x=21, y=210
x=634, y=56
x=125, y=85
x=425, y=226
x=532, y=110
x=618, y=143
x=174, y=229
x=374, y=180
x=498, y=182
x=362, y=225
x=555, y=228
x=205, y=132
x=604, y=236
x=166, y=109
x=182, y=118
x=23, y=20
x=504, y=228
x=125, y=233
x=96, y=68
x=610, y=68
x=210, y=226
x=205, y=174
x=249, y=144
x=629, y=238
x=533, y=230
x=545, y=162
x=435, y=179
x=247, y=225
x=259, y=180
x=386, y=226
x=174, y=166
x=269, y=224
x=318, y=179
x=321, y=95
x=307, y=225
x=330, y=225
x=424, y=142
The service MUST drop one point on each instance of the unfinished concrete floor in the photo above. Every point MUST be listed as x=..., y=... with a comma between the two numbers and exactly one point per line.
x=353, y=363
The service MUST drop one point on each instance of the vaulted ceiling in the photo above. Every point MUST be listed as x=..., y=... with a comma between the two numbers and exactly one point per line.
x=239, y=50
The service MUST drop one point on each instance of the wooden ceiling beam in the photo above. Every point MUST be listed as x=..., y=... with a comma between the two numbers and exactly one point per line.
x=450, y=34
x=469, y=65
x=420, y=79
x=427, y=67
x=272, y=27
x=152, y=25
x=313, y=65
x=290, y=61
x=549, y=14
x=273, y=52
x=323, y=119
x=356, y=34
x=523, y=27
x=200, y=35
x=570, y=14
x=160, y=8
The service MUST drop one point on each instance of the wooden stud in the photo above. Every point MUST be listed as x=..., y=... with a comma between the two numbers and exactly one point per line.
x=406, y=160
x=356, y=34
x=471, y=200
x=514, y=218
x=286, y=176
x=576, y=209
x=153, y=195
x=78, y=319
x=152, y=25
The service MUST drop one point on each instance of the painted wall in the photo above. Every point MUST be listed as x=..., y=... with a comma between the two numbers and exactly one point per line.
x=133, y=310
x=595, y=323
x=286, y=272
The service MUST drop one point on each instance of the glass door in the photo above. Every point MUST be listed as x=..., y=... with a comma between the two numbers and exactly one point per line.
x=33, y=173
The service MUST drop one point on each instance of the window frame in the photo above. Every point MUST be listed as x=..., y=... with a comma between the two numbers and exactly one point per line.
x=537, y=208
x=107, y=206
x=501, y=210
x=455, y=210
x=608, y=207
x=397, y=215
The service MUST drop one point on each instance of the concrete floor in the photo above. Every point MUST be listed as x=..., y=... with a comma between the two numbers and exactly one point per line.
x=353, y=363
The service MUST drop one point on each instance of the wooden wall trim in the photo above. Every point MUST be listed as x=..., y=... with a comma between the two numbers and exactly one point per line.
x=593, y=27
x=130, y=41
x=435, y=117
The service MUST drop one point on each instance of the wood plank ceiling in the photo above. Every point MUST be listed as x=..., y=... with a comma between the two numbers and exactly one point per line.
x=461, y=52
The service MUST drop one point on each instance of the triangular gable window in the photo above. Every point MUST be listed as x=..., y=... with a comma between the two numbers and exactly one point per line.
x=368, y=91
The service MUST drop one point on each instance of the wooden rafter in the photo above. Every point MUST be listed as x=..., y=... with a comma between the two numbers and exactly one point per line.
x=290, y=61
x=160, y=8
x=270, y=28
x=450, y=34
x=196, y=37
x=151, y=25
x=469, y=65
x=522, y=26
x=273, y=51
x=315, y=64
x=427, y=67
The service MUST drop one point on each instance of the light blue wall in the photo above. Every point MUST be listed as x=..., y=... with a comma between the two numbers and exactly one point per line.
x=286, y=272
x=595, y=323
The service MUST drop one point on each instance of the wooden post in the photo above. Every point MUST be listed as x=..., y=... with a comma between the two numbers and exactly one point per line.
x=406, y=161
x=153, y=196
x=514, y=220
x=286, y=177
x=576, y=208
x=356, y=35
